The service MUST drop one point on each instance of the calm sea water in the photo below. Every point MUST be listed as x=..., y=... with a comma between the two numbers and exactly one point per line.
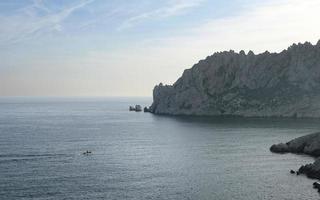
x=142, y=156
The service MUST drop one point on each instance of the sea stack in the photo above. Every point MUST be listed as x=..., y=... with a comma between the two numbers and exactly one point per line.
x=136, y=108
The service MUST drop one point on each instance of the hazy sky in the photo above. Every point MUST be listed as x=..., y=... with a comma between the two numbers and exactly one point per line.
x=125, y=47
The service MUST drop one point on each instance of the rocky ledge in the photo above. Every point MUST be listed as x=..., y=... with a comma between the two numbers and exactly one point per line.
x=308, y=144
x=284, y=84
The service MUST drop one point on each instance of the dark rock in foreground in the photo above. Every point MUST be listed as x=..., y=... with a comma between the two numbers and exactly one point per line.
x=312, y=170
x=279, y=148
x=308, y=144
x=316, y=185
x=284, y=84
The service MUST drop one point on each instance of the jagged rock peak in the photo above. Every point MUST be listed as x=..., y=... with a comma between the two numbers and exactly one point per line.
x=284, y=84
x=251, y=53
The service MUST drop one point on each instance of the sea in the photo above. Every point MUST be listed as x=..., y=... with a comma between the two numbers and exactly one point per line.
x=138, y=156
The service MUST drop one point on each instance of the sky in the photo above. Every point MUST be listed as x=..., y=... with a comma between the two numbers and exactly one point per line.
x=126, y=47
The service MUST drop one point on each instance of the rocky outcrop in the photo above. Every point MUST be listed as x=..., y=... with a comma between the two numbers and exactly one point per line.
x=280, y=148
x=285, y=84
x=308, y=144
x=146, y=109
x=137, y=108
x=311, y=170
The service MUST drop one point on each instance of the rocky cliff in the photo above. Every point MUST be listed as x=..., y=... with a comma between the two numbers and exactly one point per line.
x=285, y=84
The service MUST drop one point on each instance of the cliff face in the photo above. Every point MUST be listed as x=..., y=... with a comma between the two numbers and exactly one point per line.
x=227, y=83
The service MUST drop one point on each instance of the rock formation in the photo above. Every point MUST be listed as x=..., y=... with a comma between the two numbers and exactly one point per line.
x=312, y=170
x=308, y=144
x=146, y=109
x=285, y=84
x=137, y=108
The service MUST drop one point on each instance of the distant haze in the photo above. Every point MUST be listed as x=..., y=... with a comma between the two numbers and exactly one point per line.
x=124, y=48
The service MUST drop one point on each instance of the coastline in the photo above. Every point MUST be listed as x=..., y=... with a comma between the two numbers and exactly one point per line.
x=306, y=145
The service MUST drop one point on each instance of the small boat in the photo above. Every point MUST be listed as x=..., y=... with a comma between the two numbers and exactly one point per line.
x=87, y=152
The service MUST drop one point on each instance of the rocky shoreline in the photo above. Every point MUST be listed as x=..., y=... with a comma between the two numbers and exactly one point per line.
x=308, y=144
